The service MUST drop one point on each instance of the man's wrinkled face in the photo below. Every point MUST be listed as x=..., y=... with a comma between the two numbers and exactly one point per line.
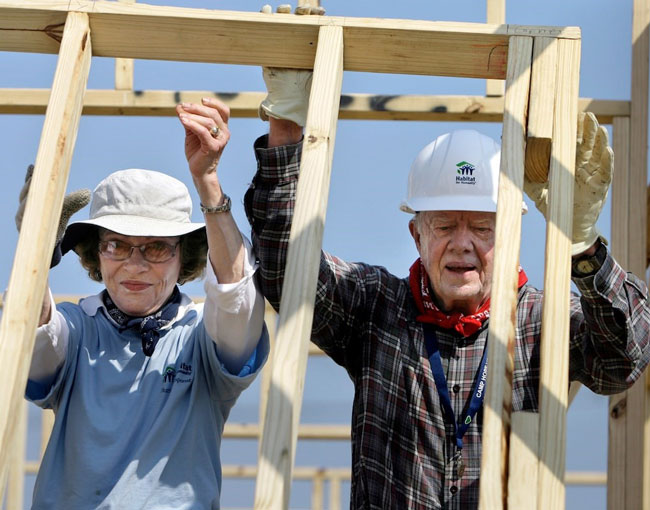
x=457, y=250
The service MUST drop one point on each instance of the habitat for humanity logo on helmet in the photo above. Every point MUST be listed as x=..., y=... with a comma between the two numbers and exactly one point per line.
x=465, y=172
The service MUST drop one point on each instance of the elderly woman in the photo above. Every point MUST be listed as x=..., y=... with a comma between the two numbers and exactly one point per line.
x=142, y=379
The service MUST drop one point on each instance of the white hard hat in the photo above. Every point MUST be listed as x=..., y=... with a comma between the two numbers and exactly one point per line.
x=458, y=171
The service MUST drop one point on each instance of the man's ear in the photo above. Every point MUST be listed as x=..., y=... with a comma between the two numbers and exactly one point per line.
x=415, y=233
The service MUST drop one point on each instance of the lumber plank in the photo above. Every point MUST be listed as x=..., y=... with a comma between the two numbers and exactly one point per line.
x=279, y=435
x=245, y=104
x=638, y=417
x=497, y=403
x=617, y=407
x=495, y=15
x=540, y=114
x=620, y=190
x=554, y=351
x=280, y=40
x=523, y=462
x=574, y=388
x=28, y=278
x=16, y=478
x=124, y=68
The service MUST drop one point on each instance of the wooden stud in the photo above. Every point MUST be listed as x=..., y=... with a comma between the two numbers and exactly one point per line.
x=28, y=277
x=496, y=422
x=637, y=467
x=554, y=352
x=616, y=451
x=470, y=50
x=540, y=114
x=299, y=289
x=335, y=493
x=495, y=15
x=16, y=476
x=124, y=67
x=574, y=388
x=317, y=492
x=47, y=424
x=153, y=103
x=523, y=462
x=270, y=319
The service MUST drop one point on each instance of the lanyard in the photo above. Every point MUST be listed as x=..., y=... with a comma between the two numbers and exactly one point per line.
x=478, y=393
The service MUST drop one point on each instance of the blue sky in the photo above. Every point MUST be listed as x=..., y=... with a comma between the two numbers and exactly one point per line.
x=371, y=163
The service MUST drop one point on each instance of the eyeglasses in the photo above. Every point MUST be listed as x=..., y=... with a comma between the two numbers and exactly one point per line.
x=154, y=252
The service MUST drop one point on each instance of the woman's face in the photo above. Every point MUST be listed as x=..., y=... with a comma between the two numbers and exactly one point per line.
x=136, y=286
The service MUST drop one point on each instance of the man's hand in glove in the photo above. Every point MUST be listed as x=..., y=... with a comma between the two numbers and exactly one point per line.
x=593, y=176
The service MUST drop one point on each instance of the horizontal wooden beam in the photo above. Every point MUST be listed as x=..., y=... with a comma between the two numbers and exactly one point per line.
x=310, y=472
x=472, y=50
x=244, y=104
x=311, y=431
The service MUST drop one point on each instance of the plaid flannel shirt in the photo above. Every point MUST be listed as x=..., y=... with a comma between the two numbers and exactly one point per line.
x=402, y=447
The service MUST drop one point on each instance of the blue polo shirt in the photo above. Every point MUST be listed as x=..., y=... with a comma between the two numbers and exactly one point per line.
x=133, y=432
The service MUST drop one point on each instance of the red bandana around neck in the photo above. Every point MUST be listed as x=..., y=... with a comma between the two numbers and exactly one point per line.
x=466, y=325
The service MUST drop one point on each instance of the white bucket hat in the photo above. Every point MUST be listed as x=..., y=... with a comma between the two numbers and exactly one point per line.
x=136, y=202
x=458, y=171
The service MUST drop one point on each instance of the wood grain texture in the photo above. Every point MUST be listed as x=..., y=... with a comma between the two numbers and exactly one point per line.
x=540, y=110
x=16, y=476
x=278, y=40
x=495, y=15
x=503, y=298
x=523, y=462
x=554, y=352
x=153, y=103
x=279, y=436
x=28, y=278
x=637, y=468
x=617, y=409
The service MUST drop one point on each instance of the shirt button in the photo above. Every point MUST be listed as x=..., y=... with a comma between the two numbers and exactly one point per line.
x=456, y=388
x=453, y=489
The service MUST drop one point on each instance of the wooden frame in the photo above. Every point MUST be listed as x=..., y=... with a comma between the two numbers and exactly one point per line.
x=112, y=25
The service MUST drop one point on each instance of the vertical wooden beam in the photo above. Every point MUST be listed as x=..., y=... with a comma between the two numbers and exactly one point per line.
x=270, y=318
x=298, y=293
x=554, y=353
x=16, y=477
x=496, y=14
x=497, y=405
x=47, y=423
x=616, y=450
x=523, y=463
x=317, y=492
x=638, y=406
x=124, y=67
x=28, y=278
x=335, y=493
x=540, y=113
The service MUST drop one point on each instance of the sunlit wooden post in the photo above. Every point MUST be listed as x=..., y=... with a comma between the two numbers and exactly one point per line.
x=497, y=404
x=277, y=452
x=28, y=278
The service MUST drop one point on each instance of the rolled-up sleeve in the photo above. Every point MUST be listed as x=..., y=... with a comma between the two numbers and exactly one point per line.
x=234, y=313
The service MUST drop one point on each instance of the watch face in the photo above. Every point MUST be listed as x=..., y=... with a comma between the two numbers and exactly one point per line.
x=585, y=266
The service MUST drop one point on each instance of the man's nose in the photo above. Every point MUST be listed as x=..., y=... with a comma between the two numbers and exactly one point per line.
x=462, y=239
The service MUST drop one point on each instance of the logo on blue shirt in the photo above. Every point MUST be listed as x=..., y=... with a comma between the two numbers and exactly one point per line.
x=171, y=376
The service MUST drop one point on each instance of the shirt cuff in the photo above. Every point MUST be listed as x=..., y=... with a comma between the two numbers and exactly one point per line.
x=229, y=297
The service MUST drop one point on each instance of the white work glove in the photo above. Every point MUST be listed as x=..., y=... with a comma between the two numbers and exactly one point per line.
x=72, y=203
x=593, y=175
x=288, y=89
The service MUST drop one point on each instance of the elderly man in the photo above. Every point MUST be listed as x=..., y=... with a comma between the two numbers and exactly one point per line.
x=415, y=348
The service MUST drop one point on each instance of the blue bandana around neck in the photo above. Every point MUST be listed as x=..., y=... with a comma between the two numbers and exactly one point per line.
x=149, y=327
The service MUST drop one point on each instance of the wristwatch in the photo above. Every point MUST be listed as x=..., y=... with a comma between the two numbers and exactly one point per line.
x=224, y=207
x=588, y=265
